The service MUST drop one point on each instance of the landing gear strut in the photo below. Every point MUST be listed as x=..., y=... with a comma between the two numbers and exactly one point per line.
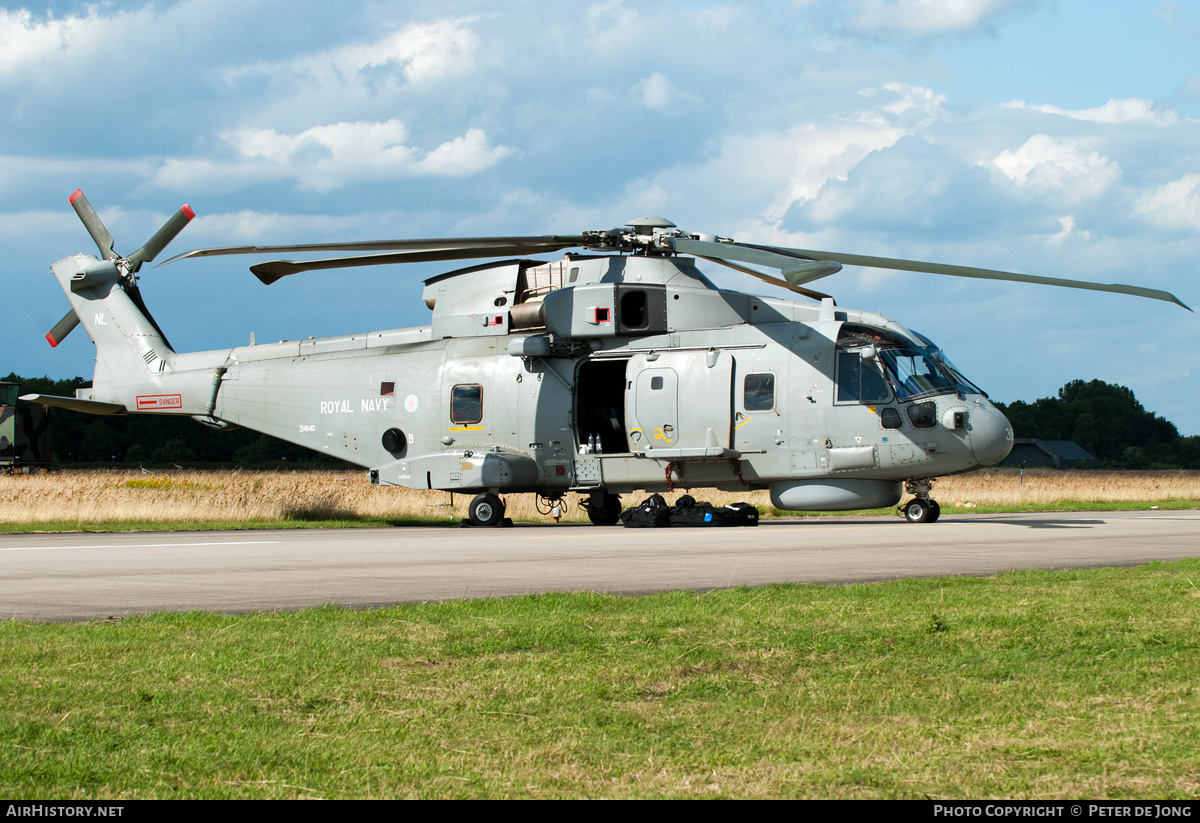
x=604, y=509
x=922, y=508
x=486, y=510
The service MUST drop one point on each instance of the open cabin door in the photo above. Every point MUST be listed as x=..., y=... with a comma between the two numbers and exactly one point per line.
x=600, y=406
x=680, y=403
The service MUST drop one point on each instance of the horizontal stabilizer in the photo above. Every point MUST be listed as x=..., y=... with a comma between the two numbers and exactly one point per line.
x=75, y=404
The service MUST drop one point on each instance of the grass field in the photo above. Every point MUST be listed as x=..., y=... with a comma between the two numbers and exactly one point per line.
x=1026, y=685
x=122, y=498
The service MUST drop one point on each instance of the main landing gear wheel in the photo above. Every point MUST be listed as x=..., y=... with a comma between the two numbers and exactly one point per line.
x=486, y=510
x=918, y=510
x=935, y=511
x=604, y=509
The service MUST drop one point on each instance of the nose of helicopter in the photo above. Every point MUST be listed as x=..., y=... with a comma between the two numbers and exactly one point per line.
x=991, y=434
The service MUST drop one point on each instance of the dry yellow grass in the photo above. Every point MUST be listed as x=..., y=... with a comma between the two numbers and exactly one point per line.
x=1039, y=487
x=118, y=495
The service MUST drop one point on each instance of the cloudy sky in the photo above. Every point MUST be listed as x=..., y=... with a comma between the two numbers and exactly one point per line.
x=1053, y=137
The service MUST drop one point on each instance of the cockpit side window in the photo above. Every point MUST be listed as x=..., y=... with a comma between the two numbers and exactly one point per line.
x=859, y=380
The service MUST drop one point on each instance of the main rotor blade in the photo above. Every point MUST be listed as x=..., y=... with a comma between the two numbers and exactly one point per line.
x=766, y=278
x=794, y=268
x=272, y=270
x=981, y=274
x=92, y=222
x=161, y=238
x=559, y=242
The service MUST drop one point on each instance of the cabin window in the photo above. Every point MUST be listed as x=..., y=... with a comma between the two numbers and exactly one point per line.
x=889, y=418
x=922, y=415
x=758, y=392
x=466, y=403
x=859, y=380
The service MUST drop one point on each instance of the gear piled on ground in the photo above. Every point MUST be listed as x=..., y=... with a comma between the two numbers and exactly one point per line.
x=654, y=513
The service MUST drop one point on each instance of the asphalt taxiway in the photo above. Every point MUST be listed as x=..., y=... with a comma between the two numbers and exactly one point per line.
x=63, y=577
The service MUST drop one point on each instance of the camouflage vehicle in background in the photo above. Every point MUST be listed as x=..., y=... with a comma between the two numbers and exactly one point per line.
x=24, y=433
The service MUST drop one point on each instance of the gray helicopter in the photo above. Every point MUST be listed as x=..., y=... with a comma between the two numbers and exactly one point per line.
x=618, y=367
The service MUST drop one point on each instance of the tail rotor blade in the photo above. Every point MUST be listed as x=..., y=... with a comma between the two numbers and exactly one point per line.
x=161, y=238
x=62, y=328
x=92, y=223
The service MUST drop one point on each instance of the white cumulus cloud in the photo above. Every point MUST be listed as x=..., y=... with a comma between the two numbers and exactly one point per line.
x=338, y=140
x=657, y=93
x=26, y=41
x=913, y=98
x=462, y=156
x=1175, y=205
x=1046, y=163
x=252, y=226
x=1068, y=230
x=22, y=39
x=1125, y=110
x=327, y=157
x=421, y=51
x=927, y=17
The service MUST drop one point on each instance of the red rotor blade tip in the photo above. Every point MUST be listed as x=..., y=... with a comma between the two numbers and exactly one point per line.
x=77, y=194
x=186, y=209
x=50, y=339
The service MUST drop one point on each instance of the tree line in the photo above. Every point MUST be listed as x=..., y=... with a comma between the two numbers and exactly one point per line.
x=1109, y=422
x=1103, y=418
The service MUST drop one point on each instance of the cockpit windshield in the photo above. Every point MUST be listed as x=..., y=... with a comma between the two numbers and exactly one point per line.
x=871, y=360
x=944, y=361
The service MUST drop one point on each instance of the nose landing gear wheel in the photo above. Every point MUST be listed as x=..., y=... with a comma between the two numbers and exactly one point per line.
x=486, y=510
x=919, y=511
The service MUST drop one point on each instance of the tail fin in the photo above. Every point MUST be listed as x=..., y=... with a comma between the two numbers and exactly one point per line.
x=130, y=348
x=132, y=353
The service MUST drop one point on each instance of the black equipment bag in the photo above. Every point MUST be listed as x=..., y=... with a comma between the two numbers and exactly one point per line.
x=651, y=513
x=702, y=514
x=742, y=514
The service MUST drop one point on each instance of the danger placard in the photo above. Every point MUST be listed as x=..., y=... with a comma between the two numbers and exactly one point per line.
x=160, y=401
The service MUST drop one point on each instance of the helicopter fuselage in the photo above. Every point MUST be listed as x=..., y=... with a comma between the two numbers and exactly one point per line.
x=593, y=374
